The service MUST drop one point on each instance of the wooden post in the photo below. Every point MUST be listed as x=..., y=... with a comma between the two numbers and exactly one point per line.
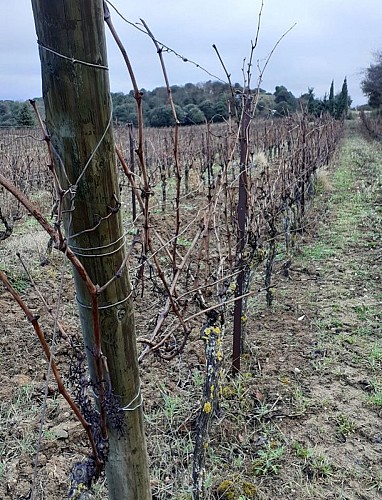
x=241, y=223
x=77, y=100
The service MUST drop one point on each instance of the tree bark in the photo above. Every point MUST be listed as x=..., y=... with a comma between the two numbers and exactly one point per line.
x=77, y=101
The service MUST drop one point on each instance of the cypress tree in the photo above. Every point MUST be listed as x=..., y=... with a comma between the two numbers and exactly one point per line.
x=331, y=103
x=342, y=101
x=345, y=97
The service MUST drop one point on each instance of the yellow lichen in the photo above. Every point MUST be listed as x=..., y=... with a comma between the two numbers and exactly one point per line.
x=210, y=329
x=207, y=407
x=249, y=490
x=228, y=391
x=232, y=490
x=79, y=491
x=225, y=490
x=206, y=333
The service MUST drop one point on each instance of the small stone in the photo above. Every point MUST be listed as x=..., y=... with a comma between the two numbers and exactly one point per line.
x=60, y=433
x=297, y=371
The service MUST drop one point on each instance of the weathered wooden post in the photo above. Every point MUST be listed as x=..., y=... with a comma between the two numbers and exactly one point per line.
x=241, y=232
x=76, y=94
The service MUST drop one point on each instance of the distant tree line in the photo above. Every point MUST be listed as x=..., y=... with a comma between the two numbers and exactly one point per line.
x=16, y=114
x=195, y=104
x=211, y=101
x=337, y=105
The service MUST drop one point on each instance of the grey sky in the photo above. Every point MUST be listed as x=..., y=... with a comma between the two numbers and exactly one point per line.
x=332, y=39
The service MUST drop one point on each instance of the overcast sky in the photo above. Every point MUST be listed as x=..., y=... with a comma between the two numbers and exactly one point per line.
x=332, y=39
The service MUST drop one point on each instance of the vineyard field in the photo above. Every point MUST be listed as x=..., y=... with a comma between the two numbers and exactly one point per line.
x=302, y=418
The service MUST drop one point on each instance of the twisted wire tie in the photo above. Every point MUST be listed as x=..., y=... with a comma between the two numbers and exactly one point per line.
x=99, y=248
x=128, y=406
x=107, y=306
x=100, y=254
x=72, y=59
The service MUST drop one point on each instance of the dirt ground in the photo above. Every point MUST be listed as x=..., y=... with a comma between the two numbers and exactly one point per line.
x=302, y=421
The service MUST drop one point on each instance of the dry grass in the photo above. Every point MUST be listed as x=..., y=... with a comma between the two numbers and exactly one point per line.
x=323, y=181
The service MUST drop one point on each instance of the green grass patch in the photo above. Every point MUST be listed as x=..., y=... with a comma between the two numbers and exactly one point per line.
x=375, y=356
x=375, y=397
x=345, y=425
x=317, y=252
x=268, y=460
x=315, y=465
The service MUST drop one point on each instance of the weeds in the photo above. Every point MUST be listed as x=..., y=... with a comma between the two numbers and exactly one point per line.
x=315, y=465
x=376, y=482
x=18, y=428
x=362, y=312
x=376, y=397
x=344, y=425
x=375, y=357
x=317, y=252
x=269, y=460
x=172, y=406
x=20, y=283
x=301, y=402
